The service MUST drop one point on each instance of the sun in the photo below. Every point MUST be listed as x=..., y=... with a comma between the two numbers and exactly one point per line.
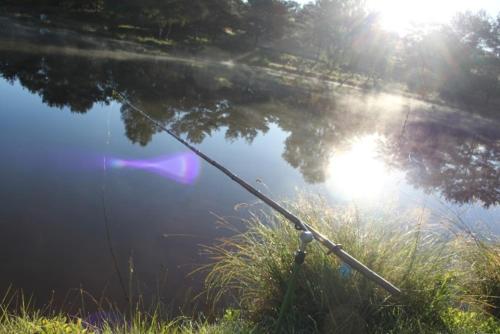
x=399, y=15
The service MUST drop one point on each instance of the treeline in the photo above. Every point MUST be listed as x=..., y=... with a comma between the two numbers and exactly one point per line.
x=459, y=61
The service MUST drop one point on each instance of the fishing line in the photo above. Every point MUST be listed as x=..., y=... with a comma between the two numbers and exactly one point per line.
x=105, y=212
x=299, y=225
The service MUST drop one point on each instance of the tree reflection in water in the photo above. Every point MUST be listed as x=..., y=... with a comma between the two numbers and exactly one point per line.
x=463, y=166
x=196, y=100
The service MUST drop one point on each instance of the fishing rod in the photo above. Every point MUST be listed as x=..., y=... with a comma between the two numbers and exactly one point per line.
x=299, y=224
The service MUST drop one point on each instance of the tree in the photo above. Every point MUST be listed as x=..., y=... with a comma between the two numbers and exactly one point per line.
x=267, y=19
x=94, y=6
x=480, y=34
x=459, y=61
x=330, y=28
x=220, y=15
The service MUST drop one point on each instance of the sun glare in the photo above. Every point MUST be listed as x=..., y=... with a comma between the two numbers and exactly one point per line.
x=399, y=15
x=359, y=173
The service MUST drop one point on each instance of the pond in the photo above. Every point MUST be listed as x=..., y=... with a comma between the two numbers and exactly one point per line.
x=90, y=188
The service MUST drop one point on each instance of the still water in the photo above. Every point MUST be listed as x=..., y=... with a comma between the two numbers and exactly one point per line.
x=89, y=187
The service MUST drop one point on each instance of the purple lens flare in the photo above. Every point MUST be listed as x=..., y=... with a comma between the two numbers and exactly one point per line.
x=182, y=167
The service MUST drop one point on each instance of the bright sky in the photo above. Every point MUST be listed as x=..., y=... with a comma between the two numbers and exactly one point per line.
x=397, y=15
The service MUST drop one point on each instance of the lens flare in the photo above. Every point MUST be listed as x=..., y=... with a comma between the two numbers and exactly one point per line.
x=182, y=167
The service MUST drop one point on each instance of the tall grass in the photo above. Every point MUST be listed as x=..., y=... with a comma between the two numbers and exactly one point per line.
x=449, y=279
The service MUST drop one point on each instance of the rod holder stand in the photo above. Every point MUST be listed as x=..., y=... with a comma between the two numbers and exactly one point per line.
x=305, y=238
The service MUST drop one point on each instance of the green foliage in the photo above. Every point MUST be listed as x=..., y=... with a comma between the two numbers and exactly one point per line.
x=34, y=323
x=462, y=57
x=253, y=270
x=486, y=266
x=27, y=322
x=470, y=322
x=267, y=18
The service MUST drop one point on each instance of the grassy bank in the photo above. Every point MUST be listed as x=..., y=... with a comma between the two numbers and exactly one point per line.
x=450, y=280
x=58, y=324
x=449, y=277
